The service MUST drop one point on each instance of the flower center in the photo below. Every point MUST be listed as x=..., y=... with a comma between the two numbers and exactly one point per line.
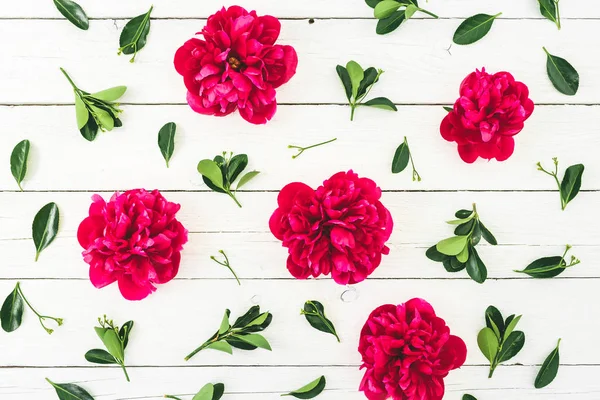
x=234, y=63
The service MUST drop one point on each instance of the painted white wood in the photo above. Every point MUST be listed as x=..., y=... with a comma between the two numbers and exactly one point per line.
x=298, y=9
x=367, y=145
x=419, y=67
x=258, y=383
x=181, y=315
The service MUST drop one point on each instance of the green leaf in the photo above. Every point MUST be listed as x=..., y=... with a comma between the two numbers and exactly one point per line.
x=511, y=324
x=410, y=10
x=571, y=183
x=468, y=397
x=212, y=172
x=474, y=28
x=511, y=346
x=99, y=356
x=401, y=158
x=449, y=109
x=371, y=77
x=166, y=140
x=356, y=74
x=221, y=346
x=549, y=9
x=103, y=117
x=246, y=178
x=487, y=235
x=549, y=369
x=206, y=393
x=476, y=235
x=545, y=267
x=314, y=312
x=224, y=323
x=237, y=164
x=451, y=264
x=111, y=341
x=463, y=256
x=125, y=331
x=73, y=12
x=475, y=267
x=134, y=34
x=494, y=321
x=219, y=390
x=250, y=315
x=391, y=23
x=81, y=112
x=460, y=221
x=385, y=8
x=11, y=313
x=70, y=391
x=453, y=245
x=562, y=74
x=309, y=391
x=373, y=3
x=90, y=130
x=464, y=229
x=45, y=227
x=434, y=255
x=462, y=214
x=261, y=319
x=18, y=161
x=488, y=343
x=111, y=94
x=255, y=340
x=345, y=78
x=381, y=102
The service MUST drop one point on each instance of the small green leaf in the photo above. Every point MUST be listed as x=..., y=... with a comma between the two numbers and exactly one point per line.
x=224, y=323
x=345, y=78
x=236, y=165
x=410, y=10
x=462, y=214
x=221, y=346
x=356, y=74
x=125, y=331
x=11, y=313
x=45, y=227
x=463, y=256
x=401, y=158
x=449, y=109
x=511, y=346
x=562, y=74
x=90, y=130
x=371, y=77
x=487, y=235
x=219, y=390
x=309, y=391
x=314, y=312
x=111, y=341
x=18, y=161
x=166, y=140
x=474, y=28
x=494, y=321
x=488, y=343
x=468, y=397
x=451, y=264
x=391, y=23
x=81, y=112
x=250, y=315
x=206, y=393
x=385, y=8
x=549, y=9
x=381, y=102
x=210, y=170
x=464, y=229
x=70, y=391
x=259, y=320
x=434, y=255
x=549, y=369
x=246, y=178
x=545, y=267
x=475, y=267
x=73, y=12
x=373, y=3
x=571, y=183
x=134, y=35
x=255, y=340
x=452, y=246
x=511, y=325
x=103, y=117
x=99, y=356
x=111, y=94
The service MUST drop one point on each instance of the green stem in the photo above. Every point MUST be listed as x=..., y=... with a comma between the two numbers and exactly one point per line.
x=205, y=345
x=41, y=318
x=226, y=264
x=557, y=14
x=234, y=199
x=428, y=13
x=554, y=174
x=302, y=149
x=353, y=108
x=168, y=396
x=492, y=369
x=125, y=371
x=20, y=187
x=75, y=88
x=416, y=176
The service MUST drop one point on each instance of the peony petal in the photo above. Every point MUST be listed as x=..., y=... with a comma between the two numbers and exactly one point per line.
x=468, y=153
x=131, y=291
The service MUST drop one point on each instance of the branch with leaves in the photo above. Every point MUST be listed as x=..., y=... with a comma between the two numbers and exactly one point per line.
x=314, y=312
x=392, y=13
x=549, y=9
x=401, y=158
x=115, y=340
x=11, y=314
x=549, y=267
x=134, y=35
x=226, y=264
x=571, y=183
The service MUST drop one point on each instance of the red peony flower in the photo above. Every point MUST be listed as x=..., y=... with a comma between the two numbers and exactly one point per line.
x=236, y=66
x=407, y=351
x=491, y=109
x=134, y=239
x=340, y=228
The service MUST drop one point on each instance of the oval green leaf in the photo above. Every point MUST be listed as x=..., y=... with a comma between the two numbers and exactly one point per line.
x=45, y=227
x=462, y=214
x=452, y=246
x=166, y=140
x=70, y=391
x=385, y=8
x=468, y=397
x=18, y=161
x=370, y=78
x=111, y=340
x=475, y=267
x=373, y=3
x=549, y=369
x=219, y=390
x=134, y=35
x=401, y=158
x=73, y=12
x=103, y=117
x=206, y=393
x=11, y=313
x=434, y=255
x=488, y=343
x=345, y=78
x=210, y=170
x=111, y=94
x=309, y=391
x=255, y=340
x=314, y=312
x=562, y=74
x=391, y=23
x=511, y=346
x=451, y=264
x=224, y=323
x=511, y=324
x=487, y=235
x=221, y=346
x=124, y=332
x=237, y=165
x=545, y=267
x=381, y=102
x=356, y=74
x=99, y=356
x=571, y=183
x=494, y=321
x=246, y=178
x=90, y=130
x=549, y=9
x=474, y=28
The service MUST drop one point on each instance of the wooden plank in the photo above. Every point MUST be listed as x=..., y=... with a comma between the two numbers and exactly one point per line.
x=301, y=9
x=422, y=71
x=181, y=315
x=259, y=383
x=367, y=145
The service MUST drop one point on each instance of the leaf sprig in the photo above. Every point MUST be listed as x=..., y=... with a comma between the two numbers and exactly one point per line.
x=18, y=161
x=571, y=183
x=221, y=172
x=241, y=335
x=45, y=227
x=96, y=110
x=314, y=312
x=562, y=74
x=550, y=10
x=226, y=264
x=115, y=340
x=166, y=140
x=358, y=83
x=303, y=149
x=11, y=314
x=208, y=392
x=401, y=158
x=70, y=391
x=549, y=267
x=498, y=341
x=73, y=13
x=458, y=252
x=134, y=35
x=392, y=13
x=549, y=369
x=474, y=28
x=310, y=390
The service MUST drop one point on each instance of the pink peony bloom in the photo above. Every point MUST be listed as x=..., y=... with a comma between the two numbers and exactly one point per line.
x=236, y=66
x=134, y=239
x=340, y=228
x=407, y=351
x=491, y=109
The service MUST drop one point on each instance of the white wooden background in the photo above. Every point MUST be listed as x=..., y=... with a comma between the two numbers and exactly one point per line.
x=423, y=71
